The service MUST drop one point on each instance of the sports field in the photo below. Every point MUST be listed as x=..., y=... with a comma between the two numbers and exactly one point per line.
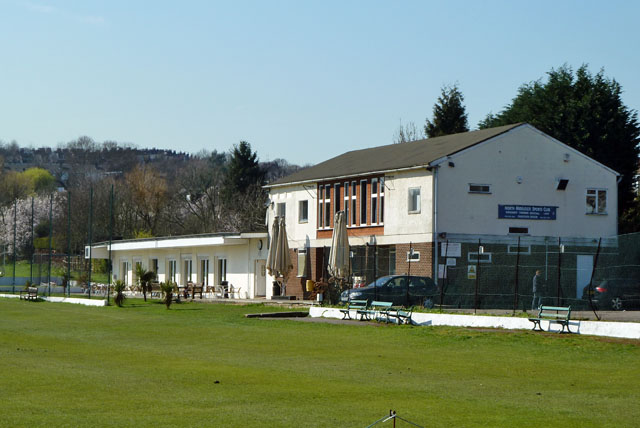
x=199, y=365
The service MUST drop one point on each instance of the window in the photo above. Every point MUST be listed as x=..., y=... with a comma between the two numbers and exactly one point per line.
x=346, y=202
x=188, y=270
x=374, y=201
x=381, y=221
x=204, y=272
x=413, y=256
x=484, y=257
x=414, y=200
x=153, y=263
x=281, y=209
x=302, y=262
x=222, y=270
x=303, y=211
x=363, y=202
x=320, y=207
x=125, y=272
x=519, y=230
x=596, y=201
x=336, y=198
x=479, y=188
x=354, y=204
x=327, y=206
x=173, y=267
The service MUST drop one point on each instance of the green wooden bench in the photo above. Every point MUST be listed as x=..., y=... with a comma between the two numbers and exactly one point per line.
x=552, y=314
x=376, y=308
x=402, y=315
x=356, y=305
x=31, y=293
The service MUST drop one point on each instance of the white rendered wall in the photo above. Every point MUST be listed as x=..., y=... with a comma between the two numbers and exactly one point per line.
x=540, y=162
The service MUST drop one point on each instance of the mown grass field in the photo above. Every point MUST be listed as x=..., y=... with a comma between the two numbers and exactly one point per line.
x=201, y=365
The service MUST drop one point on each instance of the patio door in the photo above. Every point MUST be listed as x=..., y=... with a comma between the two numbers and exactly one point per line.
x=261, y=278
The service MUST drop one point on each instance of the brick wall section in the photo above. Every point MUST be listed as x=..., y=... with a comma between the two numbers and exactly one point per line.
x=422, y=268
x=297, y=286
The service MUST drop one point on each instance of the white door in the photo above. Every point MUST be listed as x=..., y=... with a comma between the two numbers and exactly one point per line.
x=583, y=275
x=261, y=279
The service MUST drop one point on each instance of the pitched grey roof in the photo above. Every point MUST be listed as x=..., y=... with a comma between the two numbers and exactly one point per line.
x=392, y=157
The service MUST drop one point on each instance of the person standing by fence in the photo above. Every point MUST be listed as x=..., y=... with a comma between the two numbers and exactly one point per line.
x=538, y=288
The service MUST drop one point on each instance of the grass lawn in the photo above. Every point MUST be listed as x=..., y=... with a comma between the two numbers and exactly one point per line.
x=206, y=365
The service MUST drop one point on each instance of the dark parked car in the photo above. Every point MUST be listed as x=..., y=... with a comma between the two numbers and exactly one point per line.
x=616, y=294
x=421, y=291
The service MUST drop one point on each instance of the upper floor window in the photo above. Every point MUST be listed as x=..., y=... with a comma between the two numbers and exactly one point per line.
x=414, y=200
x=479, y=188
x=354, y=203
x=281, y=209
x=363, y=202
x=303, y=211
x=596, y=201
x=327, y=206
x=346, y=201
x=336, y=198
x=374, y=201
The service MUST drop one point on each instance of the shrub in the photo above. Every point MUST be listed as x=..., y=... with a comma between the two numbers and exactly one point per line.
x=119, y=288
x=167, y=292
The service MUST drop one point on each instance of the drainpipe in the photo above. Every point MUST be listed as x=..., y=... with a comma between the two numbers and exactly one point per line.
x=434, y=193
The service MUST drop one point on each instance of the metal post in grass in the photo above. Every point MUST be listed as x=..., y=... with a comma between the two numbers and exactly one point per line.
x=33, y=249
x=593, y=271
x=90, y=235
x=15, y=219
x=560, y=251
x=110, y=239
x=409, y=271
x=69, y=243
x=475, y=302
x=444, y=269
x=50, y=239
x=515, y=288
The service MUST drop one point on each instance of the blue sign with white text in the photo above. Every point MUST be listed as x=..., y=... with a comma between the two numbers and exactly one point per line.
x=527, y=212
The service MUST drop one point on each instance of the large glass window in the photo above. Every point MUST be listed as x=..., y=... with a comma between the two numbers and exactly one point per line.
x=596, y=201
x=346, y=202
x=204, y=272
x=336, y=198
x=374, y=201
x=363, y=202
x=222, y=270
x=188, y=270
x=320, y=207
x=173, y=267
x=354, y=203
x=414, y=200
x=381, y=203
x=327, y=206
x=281, y=209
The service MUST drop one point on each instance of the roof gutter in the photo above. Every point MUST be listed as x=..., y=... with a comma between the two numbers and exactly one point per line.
x=340, y=177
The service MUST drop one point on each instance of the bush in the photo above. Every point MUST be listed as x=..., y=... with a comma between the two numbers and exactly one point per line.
x=119, y=288
x=167, y=292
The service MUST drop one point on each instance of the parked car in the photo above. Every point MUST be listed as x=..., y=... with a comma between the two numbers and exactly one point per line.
x=393, y=288
x=616, y=294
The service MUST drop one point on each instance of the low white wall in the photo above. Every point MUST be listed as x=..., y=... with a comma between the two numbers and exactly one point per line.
x=627, y=330
x=86, y=302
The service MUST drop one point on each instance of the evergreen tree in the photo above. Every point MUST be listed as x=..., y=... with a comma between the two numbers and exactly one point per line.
x=586, y=112
x=242, y=172
x=449, y=115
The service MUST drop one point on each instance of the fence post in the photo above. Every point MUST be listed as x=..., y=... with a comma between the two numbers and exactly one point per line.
x=90, y=236
x=593, y=271
x=446, y=274
x=50, y=240
x=515, y=289
x=33, y=248
x=69, y=243
x=110, y=239
x=15, y=219
x=475, y=303
x=560, y=251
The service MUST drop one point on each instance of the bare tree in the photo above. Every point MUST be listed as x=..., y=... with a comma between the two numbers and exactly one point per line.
x=408, y=132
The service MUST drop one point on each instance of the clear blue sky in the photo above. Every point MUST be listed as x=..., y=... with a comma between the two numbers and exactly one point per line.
x=303, y=81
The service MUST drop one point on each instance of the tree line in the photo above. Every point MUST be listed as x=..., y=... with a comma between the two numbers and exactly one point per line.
x=148, y=193
x=581, y=109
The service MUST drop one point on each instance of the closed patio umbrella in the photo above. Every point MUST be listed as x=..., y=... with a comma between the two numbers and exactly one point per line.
x=278, y=258
x=271, y=255
x=339, y=264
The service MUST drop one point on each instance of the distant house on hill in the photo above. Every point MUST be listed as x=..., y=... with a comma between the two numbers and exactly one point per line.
x=404, y=201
